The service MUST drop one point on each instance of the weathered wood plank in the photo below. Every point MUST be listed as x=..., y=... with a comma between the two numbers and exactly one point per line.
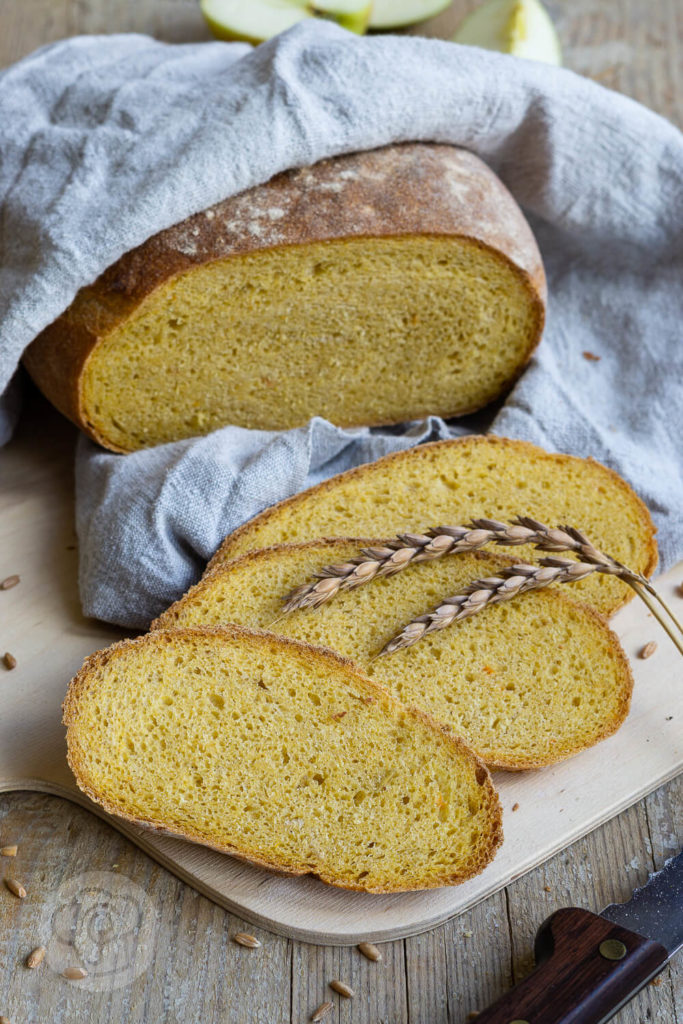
x=175, y=956
x=379, y=988
x=174, y=21
x=28, y=25
x=664, y=809
x=460, y=968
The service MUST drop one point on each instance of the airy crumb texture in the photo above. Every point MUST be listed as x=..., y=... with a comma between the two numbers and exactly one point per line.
x=370, y=288
x=281, y=754
x=364, y=331
x=525, y=683
x=450, y=482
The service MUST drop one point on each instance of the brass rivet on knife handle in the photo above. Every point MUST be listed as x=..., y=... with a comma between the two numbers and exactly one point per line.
x=612, y=949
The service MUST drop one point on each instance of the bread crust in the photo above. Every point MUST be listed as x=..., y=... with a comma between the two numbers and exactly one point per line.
x=223, y=554
x=408, y=189
x=79, y=685
x=499, y=761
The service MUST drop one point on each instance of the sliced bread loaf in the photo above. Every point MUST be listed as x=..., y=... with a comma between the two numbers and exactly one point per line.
x=280, y=754
x=370, y=288
x=450, y=482
x=525, y=683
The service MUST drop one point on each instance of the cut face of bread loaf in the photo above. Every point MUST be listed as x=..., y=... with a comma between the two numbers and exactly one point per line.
x=525, y=683
x=449, y=483
x=369, y=289
x=281, y=754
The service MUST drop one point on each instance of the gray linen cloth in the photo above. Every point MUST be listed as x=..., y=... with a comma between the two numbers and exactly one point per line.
x=104, y=141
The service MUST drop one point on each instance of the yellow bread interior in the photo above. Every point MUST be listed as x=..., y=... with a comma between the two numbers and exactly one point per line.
x=525, y=683
x=360, y=331
x=281, y=754
x=450, y=482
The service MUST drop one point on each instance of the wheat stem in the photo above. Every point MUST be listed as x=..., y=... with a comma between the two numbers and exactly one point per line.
x=645, y=595
x=660, y=600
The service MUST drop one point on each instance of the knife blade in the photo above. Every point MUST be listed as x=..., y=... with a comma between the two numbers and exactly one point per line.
x=589, y=965
x=656, y=909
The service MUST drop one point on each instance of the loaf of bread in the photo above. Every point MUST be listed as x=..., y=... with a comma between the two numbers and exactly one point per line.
x=280, y=754
x=369, y=289
x=449, y=483
x=524, y=683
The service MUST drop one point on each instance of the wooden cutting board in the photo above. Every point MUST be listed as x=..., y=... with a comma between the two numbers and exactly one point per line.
x=41, y=624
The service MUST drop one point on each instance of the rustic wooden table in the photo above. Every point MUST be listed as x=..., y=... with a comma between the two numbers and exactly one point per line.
x=182, y=965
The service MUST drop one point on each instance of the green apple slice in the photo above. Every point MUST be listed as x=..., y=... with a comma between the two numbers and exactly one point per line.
x=252, y=21
x=397, y=13
x=519, y=27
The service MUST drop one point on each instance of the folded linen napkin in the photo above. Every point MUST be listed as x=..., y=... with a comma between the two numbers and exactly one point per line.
x=114, y=138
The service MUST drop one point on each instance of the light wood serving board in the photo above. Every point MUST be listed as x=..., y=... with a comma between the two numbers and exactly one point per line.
x=41, y=624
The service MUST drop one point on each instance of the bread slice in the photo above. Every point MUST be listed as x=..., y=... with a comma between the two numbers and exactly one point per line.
x=450, y=482
x=370, y=288
x=525, y=683
x=281, y=754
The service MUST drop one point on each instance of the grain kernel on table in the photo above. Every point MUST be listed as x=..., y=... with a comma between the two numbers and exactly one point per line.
x=35, y=958
x=342, y=989
x=648, y=650
x=16, y=888
x=9, y=661
x=369, y=950
x=323, y=1011
x=9, y=582
x=8, y=851
x=244, y=939
x=74, y=973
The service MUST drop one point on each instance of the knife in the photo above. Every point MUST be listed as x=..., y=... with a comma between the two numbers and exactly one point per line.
x=589, y=965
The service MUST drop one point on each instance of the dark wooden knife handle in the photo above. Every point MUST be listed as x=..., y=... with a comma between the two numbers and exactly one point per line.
x=576, y=980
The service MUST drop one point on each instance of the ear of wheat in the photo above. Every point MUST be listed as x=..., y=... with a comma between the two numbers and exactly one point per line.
x=410, y=549
x=513, y=580
x=519, y=579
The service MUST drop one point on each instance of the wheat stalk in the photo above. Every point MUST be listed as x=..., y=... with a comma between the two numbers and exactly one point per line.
x=514, y=580
x=410, y=549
